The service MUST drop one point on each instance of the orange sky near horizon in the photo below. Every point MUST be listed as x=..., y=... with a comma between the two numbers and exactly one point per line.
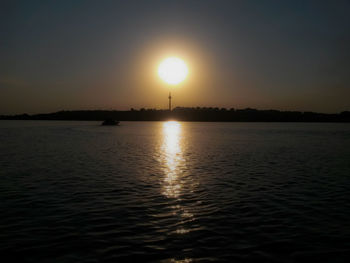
x=87, y=55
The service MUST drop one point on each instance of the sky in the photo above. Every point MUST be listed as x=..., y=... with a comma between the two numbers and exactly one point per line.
x=76, y=55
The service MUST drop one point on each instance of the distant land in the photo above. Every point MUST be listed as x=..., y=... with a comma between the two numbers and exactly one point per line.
x=188, y=114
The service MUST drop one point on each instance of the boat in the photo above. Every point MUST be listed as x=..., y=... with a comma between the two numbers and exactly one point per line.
x=110, y=122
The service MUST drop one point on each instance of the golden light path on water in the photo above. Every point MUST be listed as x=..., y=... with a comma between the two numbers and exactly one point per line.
x=173, y=158
x=175, y=183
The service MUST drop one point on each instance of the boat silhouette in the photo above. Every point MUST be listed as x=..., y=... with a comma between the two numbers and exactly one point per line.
x=110, y=122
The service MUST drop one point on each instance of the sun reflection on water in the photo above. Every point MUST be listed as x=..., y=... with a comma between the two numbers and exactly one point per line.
x=173, y=158
x=176, y=183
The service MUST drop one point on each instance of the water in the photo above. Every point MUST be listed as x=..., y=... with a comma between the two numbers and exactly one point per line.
x=174, y=192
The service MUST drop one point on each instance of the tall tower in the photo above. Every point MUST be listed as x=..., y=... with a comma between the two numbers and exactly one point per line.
x=169, y=101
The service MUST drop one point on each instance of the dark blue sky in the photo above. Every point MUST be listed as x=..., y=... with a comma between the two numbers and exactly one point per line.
x=288, y=55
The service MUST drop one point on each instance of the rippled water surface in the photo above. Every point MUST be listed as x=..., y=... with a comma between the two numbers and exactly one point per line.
x=174, y=191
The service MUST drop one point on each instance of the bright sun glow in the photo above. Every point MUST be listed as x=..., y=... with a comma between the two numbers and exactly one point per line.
x=173, y=70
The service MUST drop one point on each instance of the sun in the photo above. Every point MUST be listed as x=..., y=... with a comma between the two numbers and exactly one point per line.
x=173, y=70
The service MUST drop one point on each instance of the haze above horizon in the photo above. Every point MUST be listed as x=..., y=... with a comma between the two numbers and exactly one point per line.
x=290, y=55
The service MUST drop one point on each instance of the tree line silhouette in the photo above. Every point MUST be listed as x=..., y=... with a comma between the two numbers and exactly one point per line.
x=188, y=114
